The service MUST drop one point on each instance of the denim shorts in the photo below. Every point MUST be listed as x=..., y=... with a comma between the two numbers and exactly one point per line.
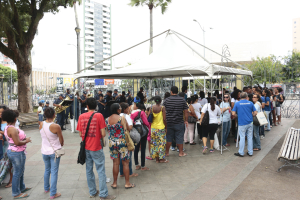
x=40, y=118
x=175, y=131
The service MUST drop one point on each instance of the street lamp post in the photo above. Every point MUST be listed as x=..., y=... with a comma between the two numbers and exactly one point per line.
x=203, y=45
x=2, y=77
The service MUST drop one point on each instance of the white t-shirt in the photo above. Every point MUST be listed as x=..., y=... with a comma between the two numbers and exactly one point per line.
x=40, y=108
x=17, y=124
x=197, y=107
x=128, y=119
x=213, y=115
x=233, y=100
x=202, y=101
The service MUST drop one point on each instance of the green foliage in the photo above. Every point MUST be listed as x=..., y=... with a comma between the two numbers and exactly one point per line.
x=14, y=96
x=163, y=4
x=128, y=83
x=52, y=90
x=291, y=69
x=6, y=71
x=39, y=92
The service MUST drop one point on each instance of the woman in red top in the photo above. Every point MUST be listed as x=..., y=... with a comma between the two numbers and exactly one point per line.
x=143, y=142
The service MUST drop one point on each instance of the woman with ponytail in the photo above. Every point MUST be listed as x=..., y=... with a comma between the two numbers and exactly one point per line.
x=214, y=111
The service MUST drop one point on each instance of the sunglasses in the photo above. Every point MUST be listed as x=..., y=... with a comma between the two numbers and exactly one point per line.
x=226, y=97
x=254, y=97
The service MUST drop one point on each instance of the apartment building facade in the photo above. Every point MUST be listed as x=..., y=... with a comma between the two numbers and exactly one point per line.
x=296, y=34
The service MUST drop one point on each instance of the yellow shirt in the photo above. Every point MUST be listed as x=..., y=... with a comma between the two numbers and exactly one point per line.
x=158, y=120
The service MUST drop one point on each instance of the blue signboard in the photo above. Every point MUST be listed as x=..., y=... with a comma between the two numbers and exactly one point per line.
x=99, y=81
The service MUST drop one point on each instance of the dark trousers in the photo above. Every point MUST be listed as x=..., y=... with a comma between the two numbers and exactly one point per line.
x=142, y=144
x=83, y=110
x=70, y=111
x=100, y=108
x=262, y=130
x=270, y=118
x=199, y=128
x=60, y=118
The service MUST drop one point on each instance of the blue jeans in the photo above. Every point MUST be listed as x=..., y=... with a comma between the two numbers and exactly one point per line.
x=130, y=165
x=98, y=158
x=18, y=162
x=51, y=167
x=243, y=131
x=268, y=126
x=256, y=138
x=226, y=130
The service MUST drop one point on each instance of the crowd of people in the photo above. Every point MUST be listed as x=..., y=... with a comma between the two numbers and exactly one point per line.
x=166, y=125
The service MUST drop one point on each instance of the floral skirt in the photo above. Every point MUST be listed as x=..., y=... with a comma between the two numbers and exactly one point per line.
x=118, y=149
x=158, y=143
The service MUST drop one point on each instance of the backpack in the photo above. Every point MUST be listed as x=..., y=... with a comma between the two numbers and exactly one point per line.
x=205, y=120
x=283, y=99
x=140, y=126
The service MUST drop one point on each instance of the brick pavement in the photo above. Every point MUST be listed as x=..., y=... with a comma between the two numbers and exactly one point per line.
x=195, y=176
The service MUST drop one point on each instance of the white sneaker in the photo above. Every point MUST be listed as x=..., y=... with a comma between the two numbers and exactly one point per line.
x=262, y=137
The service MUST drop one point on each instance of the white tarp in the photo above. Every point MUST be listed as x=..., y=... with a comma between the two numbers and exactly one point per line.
x=173, y=59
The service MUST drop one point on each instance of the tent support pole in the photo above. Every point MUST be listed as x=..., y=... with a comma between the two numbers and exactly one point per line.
x=194, y=84
x=189, y=82
x=193, y=77
x=204, y=85
x=222, y=123
x=150, y=88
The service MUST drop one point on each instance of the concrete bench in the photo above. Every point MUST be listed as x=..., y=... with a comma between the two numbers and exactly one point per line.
x=290, y=149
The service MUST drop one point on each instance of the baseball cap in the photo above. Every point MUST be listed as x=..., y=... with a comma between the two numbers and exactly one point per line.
x=84, y=92
x=137, y=100
x=47, y=102
x=61, y=95
x=115, y=90
x=128, y=90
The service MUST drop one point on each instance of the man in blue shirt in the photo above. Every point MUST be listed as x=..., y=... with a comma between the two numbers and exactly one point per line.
x=83, y=104
x=60, y=116
x=246, y=111
x=129, y=98
x=100, y=101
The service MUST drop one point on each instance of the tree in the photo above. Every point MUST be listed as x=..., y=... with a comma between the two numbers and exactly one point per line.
x=291, y=70
x=6, y=71
x=19, y=24
x=152, y=4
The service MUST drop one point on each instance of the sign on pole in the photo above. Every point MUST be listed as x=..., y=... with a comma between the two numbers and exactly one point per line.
x=59, y=84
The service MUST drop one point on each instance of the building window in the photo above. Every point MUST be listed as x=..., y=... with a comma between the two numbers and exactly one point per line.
x=294, y=22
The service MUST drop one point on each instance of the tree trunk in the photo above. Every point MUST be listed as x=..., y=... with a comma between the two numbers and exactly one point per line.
x=24, y=92
x=151, y=29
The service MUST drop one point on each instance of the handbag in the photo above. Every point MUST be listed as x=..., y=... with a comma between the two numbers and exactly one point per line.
x=135, y=135
x=129, y=142
x=81, y=154
x=192, y=119
x=205, y=120
x=255, y=121
x=150, y=117
x=59, y=152
x=139, y=126
x=262, y=118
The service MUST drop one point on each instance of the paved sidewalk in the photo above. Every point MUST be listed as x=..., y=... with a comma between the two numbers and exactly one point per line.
x=196, y=176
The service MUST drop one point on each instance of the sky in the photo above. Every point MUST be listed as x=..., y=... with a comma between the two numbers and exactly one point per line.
x=233, y=22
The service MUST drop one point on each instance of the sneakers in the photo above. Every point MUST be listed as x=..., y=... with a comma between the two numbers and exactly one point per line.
x=211, y=150
x=204, y=150
x=110, y=197
x=182, y=150
x=172, y=148
x=262, y=137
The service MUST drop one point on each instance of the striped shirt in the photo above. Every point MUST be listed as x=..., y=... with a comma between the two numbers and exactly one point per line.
x=175, y=105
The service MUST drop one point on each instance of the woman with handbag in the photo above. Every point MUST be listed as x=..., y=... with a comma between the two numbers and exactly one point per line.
x=52, y=140
x=192, y=120
x=125, y=113
x=17, y=141
x=256, y=139
x=210, y=129
x=158, y=132
x=117, y=145
x=137, y=112
x=197, y=109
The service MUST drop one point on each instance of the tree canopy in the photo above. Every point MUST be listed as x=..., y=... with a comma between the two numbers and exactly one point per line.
x=6, y=71
x=19, y=24
x=163, y=4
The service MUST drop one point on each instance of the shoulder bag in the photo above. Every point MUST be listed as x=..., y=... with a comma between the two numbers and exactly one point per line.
x=150, y=117
x=205, y=120
x=59, y=152
x=129, y=142
x=191, y=119
x=81, y=154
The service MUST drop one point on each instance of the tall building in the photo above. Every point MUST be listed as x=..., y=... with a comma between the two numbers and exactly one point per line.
x=97, y=33
x=296, y=34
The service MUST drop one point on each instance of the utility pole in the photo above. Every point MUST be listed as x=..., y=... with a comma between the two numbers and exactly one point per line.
x=77, y=29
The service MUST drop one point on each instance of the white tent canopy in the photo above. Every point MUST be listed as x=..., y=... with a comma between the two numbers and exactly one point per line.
x=173, y=59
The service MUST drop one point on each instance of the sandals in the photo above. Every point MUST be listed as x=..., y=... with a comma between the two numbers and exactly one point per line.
x=26, y=189
x=24, y=195
x=113, y=187
x=193, y=143
x=165, y=161
x=55, y=196
x=145, y=169
x=149, y=158
x=211, y=150
x=93, y=196
x=138, y=167
x=8, y=185
x=132, y=186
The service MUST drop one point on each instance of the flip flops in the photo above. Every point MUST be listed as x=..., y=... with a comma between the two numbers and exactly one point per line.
x=26, y=189
x=132, y=186
x=24, y=195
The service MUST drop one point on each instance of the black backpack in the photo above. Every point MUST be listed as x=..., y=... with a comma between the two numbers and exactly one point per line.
x=140, y=126
x=205, y=120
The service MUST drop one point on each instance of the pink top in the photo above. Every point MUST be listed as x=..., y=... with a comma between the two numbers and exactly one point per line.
x=53, y=138
x=11, y=143
x=135, y=113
